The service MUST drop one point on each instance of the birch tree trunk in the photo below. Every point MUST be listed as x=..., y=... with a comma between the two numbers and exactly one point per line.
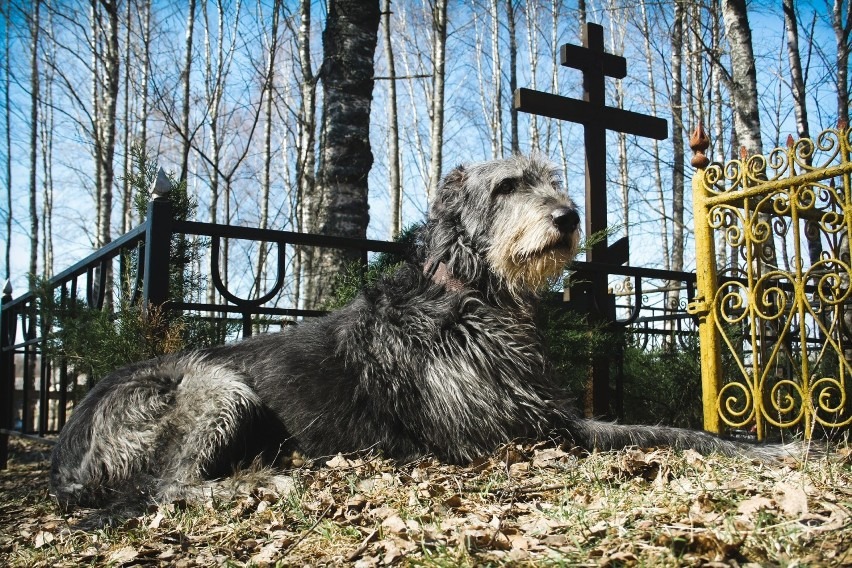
x=394, y=177
x=496, y=119
x=617, y=27
x=145, y=67
x=186, y=76
x=349, y=45
x=555, y=6
x=797, y=79
x=531, y=13
x=513, y=72
x=797, y=84
x=678, y=29
x=35, y=87
x=47, y=125
x=126, y=188
x=415, y=100
x=265, y=182
x=106, y=120
x=439, y=51
x=743, y=88
x=718, y=140
x=7, y=120
x=658, y=175
x=842, y=29
x=307, y=200
x=743, y=85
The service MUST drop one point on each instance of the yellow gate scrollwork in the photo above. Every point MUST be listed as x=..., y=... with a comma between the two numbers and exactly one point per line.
x=775, y=321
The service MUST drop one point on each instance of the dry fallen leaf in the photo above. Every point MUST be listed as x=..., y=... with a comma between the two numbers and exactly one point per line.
x=43, y=538
x=792, y=500
x=266, y=556
x=395, y=525
x=755, y=504
x=123, y=555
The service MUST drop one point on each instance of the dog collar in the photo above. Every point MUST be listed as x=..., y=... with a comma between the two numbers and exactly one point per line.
x=440, y=275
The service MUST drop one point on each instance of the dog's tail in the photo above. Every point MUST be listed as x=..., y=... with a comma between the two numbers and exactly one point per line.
x=599, y=435
x=151, y=432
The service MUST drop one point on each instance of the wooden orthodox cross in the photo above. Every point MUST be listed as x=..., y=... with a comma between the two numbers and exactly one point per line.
x=596, y=119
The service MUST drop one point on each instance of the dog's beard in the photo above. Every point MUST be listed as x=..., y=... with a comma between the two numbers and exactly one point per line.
x=528, y=260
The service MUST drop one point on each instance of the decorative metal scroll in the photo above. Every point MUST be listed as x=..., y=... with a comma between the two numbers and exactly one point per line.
x=776, y=321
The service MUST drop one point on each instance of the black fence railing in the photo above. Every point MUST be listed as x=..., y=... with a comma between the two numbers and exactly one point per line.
x=38, y=388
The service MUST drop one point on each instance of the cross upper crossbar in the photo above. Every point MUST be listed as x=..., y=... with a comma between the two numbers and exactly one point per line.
x=582, y=112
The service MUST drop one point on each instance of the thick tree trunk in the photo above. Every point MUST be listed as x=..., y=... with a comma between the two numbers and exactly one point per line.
x=800, y=107
x=349, y=44
x=744, y=76
x=743, y=89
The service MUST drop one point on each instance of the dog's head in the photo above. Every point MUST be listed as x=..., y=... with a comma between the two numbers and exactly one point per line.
x=510, y=217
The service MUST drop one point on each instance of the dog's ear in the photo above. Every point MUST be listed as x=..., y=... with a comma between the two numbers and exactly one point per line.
x=447, y=191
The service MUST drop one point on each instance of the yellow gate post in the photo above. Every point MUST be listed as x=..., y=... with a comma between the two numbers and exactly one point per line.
x=705, y=276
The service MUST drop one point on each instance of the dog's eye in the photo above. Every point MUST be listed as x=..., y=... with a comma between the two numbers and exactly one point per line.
x=505, y=187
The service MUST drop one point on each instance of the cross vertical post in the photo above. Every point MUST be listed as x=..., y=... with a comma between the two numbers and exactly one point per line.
x=596, y=118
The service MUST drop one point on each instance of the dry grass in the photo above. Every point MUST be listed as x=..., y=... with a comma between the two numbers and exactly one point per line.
x=537, y=505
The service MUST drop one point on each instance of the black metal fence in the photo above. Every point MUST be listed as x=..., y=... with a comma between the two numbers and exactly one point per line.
x=37, y=389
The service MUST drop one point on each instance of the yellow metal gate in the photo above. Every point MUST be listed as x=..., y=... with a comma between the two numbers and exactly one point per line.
x=774, y=285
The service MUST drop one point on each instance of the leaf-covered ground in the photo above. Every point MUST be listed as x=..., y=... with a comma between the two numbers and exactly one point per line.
x=526, y=505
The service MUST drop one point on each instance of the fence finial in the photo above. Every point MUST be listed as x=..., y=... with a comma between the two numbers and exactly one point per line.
x=7, y=288
x=699, y=142
x=161, y=186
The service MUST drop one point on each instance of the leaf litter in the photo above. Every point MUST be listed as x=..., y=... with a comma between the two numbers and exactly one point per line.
x=536, y=504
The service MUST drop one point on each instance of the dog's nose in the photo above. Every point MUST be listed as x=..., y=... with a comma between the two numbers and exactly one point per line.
x=565, y=219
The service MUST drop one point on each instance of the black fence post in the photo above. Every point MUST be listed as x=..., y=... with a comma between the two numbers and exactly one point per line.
x=158, y=238
x=7, y=373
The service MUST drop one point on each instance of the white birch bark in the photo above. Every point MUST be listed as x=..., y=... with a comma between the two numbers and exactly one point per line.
x=186, y=82
x=655, y=145
x=7, y=120
x=531, y=13
x=513, y=73
x=842, y=25
x=439, y=51
x=496, y=118
x=394, y=173
x=266, y=181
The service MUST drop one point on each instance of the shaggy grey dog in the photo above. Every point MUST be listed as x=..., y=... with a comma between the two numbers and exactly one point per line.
x=442, y=357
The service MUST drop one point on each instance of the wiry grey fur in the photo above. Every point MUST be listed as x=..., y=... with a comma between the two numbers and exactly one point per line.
x=442, y=357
